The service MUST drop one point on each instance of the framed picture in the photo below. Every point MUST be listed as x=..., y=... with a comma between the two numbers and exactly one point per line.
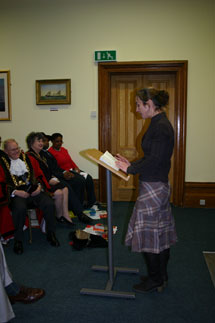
x=53, y=91
x=5, y=104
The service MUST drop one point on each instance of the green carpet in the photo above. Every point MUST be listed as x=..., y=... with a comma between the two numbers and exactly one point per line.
x=62, y=272
x=210, y=261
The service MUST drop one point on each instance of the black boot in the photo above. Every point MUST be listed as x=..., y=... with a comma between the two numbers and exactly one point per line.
x=164, y=258
x=154, y=280
x=52, y=239
x=18, y=247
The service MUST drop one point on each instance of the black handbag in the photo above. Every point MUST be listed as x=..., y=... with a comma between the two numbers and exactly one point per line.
x=81, y=239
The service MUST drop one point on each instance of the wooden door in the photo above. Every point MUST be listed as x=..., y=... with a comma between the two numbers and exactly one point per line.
x=127, y=127
x=178, y=69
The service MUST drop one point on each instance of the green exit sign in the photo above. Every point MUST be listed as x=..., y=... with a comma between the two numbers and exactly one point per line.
x=105, y=55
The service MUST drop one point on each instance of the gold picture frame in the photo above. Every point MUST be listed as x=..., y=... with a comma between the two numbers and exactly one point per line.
x=53, y=91
x=5, y=99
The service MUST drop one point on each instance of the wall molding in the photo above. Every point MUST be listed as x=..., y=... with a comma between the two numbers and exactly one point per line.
x=194, y=192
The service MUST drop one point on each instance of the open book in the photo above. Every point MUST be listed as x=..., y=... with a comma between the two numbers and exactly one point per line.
x=108, y=159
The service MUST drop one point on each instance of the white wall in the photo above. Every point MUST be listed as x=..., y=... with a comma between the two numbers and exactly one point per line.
x=49, y=39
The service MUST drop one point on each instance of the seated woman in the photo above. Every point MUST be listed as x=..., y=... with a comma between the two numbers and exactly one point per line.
x=65, y=162
x=59, y=190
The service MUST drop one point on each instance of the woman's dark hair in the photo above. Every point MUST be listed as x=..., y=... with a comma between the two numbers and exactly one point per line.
x=30, y=139
x=56, y=135
x=46, y=136
x=160, y=98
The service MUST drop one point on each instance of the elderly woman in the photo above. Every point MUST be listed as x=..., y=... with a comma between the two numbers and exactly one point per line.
x=51, y=183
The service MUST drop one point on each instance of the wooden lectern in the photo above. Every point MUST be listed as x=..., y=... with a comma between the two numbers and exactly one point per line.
x=94, y=155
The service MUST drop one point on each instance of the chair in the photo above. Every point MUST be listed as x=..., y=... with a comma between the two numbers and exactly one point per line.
x=35, y=220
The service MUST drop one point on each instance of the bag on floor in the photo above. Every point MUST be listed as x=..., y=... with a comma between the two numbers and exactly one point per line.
x=81, y=239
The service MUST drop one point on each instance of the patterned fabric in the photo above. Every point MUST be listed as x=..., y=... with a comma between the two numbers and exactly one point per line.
x=18, y=167
x=7, y=184
x=151, y=227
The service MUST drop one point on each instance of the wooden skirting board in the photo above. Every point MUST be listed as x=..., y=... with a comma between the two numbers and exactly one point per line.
x=195, y=194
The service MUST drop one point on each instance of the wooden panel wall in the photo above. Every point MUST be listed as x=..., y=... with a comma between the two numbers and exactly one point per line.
x=194, y=192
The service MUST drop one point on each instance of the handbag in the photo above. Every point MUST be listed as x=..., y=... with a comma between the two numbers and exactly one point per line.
x=81, y=239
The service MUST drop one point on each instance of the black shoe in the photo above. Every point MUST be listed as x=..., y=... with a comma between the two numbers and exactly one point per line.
x=60, y=220
x=52, y=239
x=84, y=218
x=148, y=285
x=64, y=220
x=165, y=279
x=18, y=247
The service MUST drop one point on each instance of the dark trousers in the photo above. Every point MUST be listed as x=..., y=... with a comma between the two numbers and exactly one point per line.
x=79, y=184
x=74, y=202
x=19, y=208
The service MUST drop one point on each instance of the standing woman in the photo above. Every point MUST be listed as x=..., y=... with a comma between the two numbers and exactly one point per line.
x=151, y=229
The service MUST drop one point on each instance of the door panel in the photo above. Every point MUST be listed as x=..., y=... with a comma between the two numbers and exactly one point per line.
x=127, y=128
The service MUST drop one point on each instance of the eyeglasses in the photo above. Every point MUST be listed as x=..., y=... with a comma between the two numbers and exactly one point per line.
x=14, y=149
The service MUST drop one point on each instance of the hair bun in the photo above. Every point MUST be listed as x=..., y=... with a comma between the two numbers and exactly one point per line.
x=161, y=98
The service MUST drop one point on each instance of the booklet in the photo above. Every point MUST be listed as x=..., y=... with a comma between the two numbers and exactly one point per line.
x=109, y=159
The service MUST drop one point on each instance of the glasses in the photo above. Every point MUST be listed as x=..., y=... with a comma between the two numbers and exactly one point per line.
x=14, y=149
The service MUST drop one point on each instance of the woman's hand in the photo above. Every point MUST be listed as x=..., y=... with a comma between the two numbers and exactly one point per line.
x=68, y=175
x=53, y=181
x=122, y=165
x=77, y=170
x=122, y=159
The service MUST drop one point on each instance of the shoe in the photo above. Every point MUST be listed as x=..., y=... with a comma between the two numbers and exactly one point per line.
x=60, y=220
x=52, y=239
x=84, y=218
x=64, y=220
x=165, y=280
x=148, y=286
x=18, y=247
x=27, y=295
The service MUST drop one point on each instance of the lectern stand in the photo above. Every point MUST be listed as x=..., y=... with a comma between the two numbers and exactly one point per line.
x=94, y=155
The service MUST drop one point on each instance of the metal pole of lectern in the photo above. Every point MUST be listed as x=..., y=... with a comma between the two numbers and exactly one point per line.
x=108, y=292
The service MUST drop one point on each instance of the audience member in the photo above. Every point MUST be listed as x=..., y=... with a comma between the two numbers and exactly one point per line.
x=75, y=187
x=52, y=183
x=2, y=153
x=11, y=293
x=65, y=162
x=16, y=171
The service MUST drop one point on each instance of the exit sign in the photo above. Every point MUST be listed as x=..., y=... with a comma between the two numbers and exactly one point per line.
x=105, y=55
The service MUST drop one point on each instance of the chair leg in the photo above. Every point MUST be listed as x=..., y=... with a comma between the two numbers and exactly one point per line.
x=29, y=226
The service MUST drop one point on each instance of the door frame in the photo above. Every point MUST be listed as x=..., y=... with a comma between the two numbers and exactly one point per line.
x=179, y=69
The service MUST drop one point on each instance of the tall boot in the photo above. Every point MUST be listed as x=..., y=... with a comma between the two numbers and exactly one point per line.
x=164, y=258
x=154, y=280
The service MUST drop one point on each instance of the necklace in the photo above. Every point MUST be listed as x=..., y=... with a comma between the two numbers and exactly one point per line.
x=14, y=179
x=38, y=157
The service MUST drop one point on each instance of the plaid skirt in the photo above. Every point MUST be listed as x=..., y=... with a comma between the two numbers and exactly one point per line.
x=152, y=226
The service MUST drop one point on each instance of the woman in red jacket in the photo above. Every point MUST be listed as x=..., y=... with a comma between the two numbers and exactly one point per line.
x=65, y=162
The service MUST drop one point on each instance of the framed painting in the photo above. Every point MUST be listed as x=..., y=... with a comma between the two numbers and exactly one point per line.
x=53, y=91
x=5, y=103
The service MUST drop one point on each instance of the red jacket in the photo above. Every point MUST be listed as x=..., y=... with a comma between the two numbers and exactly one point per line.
x=63, y=158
